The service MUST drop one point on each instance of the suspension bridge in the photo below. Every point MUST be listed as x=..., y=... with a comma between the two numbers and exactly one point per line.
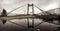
x=28, y=16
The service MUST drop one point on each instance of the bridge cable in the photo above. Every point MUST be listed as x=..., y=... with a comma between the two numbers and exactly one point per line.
x=16, y=9
x=43, y=10
x=17, y=24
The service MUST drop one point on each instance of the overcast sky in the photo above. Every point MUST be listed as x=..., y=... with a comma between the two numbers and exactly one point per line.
x=43, y=4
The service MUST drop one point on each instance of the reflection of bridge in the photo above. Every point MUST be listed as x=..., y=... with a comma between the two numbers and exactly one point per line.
x=29, y=15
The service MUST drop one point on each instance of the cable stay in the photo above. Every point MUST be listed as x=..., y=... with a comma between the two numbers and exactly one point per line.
x=17, y=24
x=42, y=10
x=16, y=9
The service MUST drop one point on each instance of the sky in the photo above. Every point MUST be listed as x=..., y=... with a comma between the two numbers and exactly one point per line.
x=43, y=4
x=9, y=5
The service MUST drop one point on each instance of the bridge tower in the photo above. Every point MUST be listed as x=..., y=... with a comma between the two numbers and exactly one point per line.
x=30, y=11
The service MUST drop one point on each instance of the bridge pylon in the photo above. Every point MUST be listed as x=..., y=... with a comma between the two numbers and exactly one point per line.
x=30, y=24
